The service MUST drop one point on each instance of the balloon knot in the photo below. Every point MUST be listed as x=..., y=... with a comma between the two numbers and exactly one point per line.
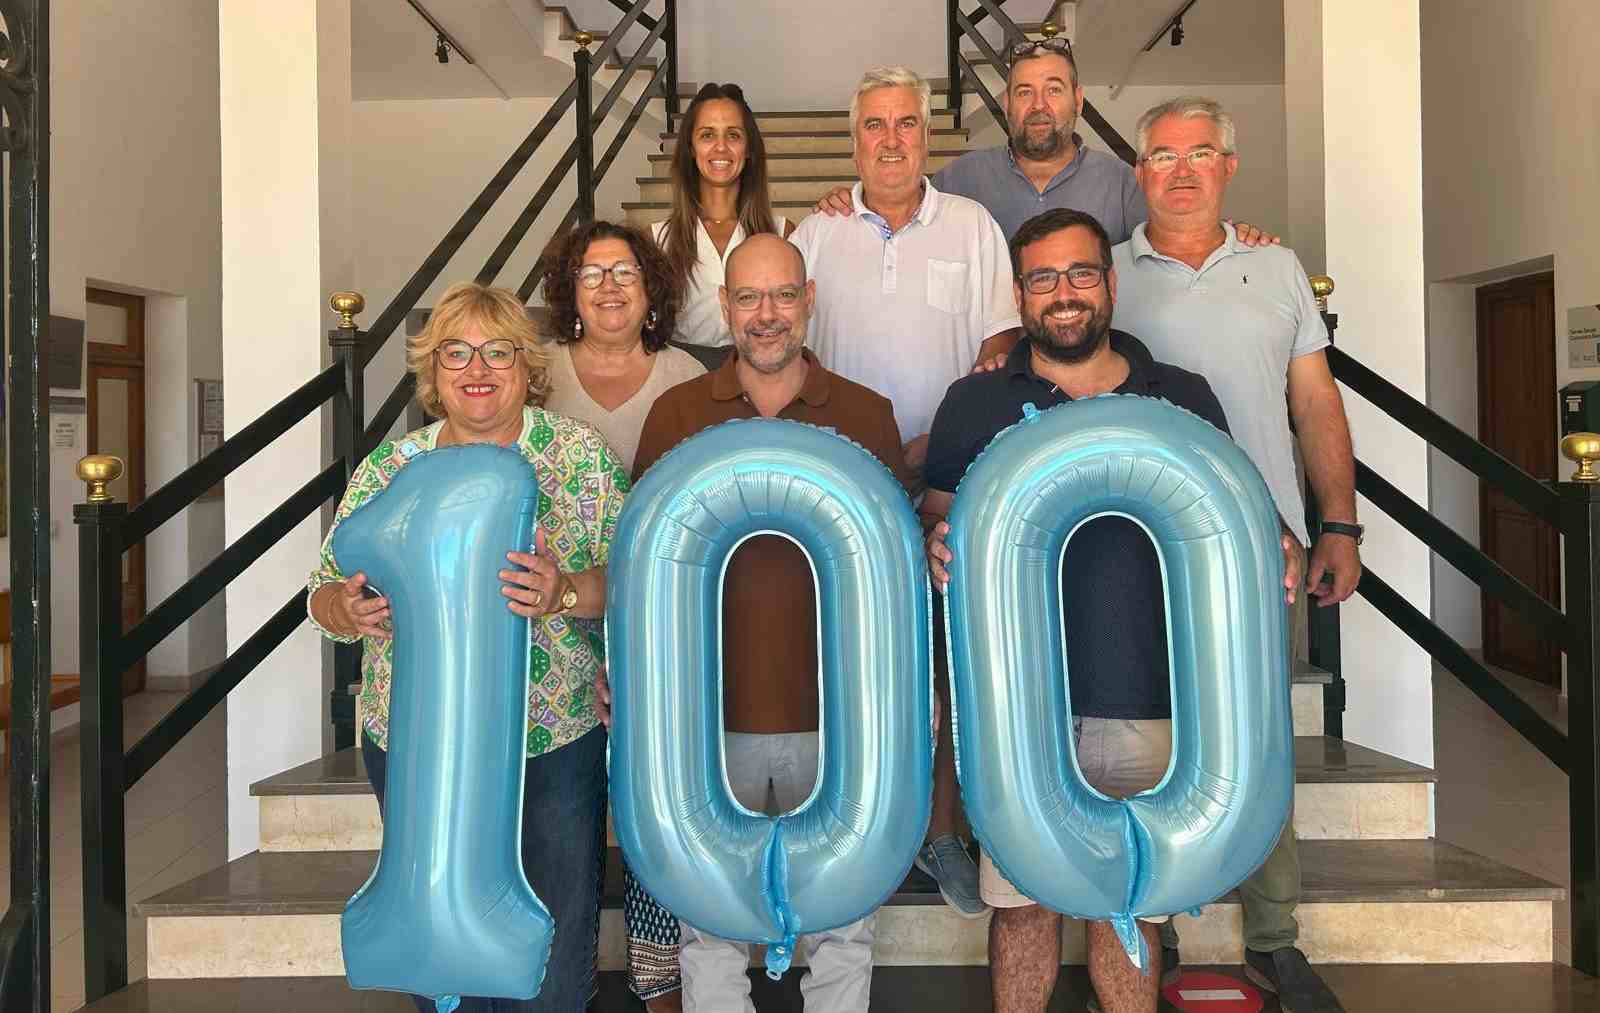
x=1029, y=409
x=779, y=955
x=447, y=1003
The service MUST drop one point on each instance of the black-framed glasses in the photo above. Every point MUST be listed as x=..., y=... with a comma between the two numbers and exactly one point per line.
x=624, y=273
x=456, y=355
x=1027, y=47
x=783, y=297
x=1043, y=280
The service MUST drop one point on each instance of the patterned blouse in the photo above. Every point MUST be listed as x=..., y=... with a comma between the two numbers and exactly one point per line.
x=581, y=486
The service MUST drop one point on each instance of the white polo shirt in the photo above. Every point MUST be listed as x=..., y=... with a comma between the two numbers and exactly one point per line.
x=700, y=317
x=905, y=312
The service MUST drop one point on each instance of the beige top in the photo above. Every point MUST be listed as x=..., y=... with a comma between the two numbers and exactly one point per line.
x=670, y=367
x=700, y=318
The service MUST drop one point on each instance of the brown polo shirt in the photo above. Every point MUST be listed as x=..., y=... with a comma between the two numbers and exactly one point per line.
x=769, y=608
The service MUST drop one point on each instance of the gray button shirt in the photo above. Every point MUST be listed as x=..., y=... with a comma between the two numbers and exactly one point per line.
x=1237, y=321
x=1093, y=181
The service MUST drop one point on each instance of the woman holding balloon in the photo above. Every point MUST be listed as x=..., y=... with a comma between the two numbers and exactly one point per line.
x=614, y=300
x=479, y=366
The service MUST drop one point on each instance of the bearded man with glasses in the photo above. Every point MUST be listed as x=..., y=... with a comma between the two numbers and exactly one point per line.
x=1245, y=319
x=769, y=659
x=1113, y=604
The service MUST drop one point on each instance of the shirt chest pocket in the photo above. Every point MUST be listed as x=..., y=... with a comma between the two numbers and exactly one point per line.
x=949, y=286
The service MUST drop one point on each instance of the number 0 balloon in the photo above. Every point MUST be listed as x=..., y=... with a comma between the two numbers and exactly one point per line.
x=1223, y=803
x=448, y=911
x=728, y=871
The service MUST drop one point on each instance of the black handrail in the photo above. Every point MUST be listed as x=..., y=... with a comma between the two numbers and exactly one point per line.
x=1464, y=556
x=614, y=37
x=1443, y=648
x=1535, y=496
x=993, y=104
x=604, y=108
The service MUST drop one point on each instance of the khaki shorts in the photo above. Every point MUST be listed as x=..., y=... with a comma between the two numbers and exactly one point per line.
x=1118, y=758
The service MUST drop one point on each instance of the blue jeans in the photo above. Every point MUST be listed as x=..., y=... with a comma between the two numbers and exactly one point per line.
x=563, y=855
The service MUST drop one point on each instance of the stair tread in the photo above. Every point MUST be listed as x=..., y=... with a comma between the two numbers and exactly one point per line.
x=1318, y=759
x=937, y=131
x=1419, y=988
x=1332, y=871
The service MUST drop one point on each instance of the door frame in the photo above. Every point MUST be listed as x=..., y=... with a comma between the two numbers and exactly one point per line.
x=124, y=362
x=1550, y=587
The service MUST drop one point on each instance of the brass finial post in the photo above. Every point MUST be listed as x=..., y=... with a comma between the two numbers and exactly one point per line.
x=1583, y=449
x=98, y=471
x=1321, y=287
x=347, y=305
x=584, y=39
x=1049, y=29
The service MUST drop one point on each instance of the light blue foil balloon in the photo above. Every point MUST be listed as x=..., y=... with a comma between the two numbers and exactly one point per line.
x=1223, y=803
x=727, y=871
x=448, y=911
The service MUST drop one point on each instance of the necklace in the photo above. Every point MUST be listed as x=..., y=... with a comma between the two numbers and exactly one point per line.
x=716, y=221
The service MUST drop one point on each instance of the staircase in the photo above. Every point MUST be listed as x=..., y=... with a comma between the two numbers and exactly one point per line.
x=1377, y=890
x=1397, y=920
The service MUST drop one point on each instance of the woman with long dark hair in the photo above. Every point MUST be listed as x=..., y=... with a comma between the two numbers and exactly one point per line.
x=719, y=198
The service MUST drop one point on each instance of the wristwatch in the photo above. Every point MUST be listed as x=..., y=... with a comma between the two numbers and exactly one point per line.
x=568, y=599
x=1355, y=531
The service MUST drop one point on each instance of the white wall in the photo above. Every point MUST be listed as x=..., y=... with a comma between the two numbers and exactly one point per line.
x=410, y=189
x=1305, y=229
x=286, y=183
x=135, y=178
x=1372, y=114
x=1530, y=200
x=1453, y=490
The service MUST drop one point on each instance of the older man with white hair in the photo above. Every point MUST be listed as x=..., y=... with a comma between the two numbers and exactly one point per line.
x=1245, y=319
x=913, y=290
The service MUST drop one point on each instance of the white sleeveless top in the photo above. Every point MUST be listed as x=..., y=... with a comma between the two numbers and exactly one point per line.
x=700, y=320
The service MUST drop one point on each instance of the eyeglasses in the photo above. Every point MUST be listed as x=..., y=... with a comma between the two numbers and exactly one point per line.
x=456, y=355
x=1198, y=159
x=1028, y=47
x=1043, y=280
x=593, y=275
x=783, y=297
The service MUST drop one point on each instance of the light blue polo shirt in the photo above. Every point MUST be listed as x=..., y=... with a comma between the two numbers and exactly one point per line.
x=1237, y=321
x=1094, y=182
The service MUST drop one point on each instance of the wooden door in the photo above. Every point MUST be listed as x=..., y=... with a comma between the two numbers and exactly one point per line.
x=115, y=381
x=1517, y=417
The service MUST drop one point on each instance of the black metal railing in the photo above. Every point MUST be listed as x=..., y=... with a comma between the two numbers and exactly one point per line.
x=108, y=529
x=964, y=27
x=1572, y=509
x=25, y=141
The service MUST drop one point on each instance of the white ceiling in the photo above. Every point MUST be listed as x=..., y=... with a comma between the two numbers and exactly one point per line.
x=1225, y=42
x=392, y=50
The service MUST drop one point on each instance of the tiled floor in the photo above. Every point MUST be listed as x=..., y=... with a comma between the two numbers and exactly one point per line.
x=177, y=819
x=1496, y=795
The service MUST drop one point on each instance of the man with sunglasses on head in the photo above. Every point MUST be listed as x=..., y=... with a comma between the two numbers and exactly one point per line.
x=1113, y=605
x=770, y=655
x=1245, y=319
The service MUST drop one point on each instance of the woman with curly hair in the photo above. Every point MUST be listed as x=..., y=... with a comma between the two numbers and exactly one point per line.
x=613, y=302
x=719, y=198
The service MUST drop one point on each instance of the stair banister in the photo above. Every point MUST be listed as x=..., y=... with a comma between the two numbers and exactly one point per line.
x=1580, y=510
x=1322, y=621
x=349, y=430
x=584, y=126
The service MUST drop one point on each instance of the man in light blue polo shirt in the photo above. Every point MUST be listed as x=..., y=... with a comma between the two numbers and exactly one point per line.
x=1244, y=318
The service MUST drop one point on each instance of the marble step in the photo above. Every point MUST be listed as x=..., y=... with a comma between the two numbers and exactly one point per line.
x=271, y=915
x=1343, y=792
x=803, y=163
x=1382, y=988
x=834, y=141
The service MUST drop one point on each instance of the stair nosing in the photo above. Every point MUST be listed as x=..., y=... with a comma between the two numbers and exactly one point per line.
x=932, y=153
x=352, y=869
x=945, y=131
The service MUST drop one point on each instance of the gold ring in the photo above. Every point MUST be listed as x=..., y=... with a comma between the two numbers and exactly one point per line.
x=538, y=599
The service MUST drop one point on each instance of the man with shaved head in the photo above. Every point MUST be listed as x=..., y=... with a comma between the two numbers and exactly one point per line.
x=769, y=658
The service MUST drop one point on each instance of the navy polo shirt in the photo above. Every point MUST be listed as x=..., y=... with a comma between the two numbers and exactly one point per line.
x=1111, y=598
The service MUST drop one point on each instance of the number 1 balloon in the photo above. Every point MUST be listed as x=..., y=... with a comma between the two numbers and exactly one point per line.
x=448, y=911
